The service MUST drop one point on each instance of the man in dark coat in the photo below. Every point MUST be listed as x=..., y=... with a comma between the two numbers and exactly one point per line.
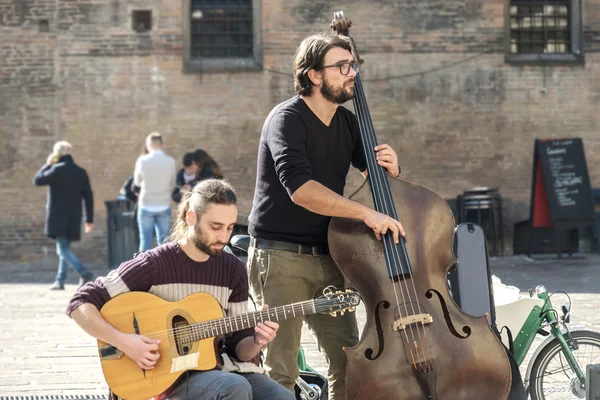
x=68, y=185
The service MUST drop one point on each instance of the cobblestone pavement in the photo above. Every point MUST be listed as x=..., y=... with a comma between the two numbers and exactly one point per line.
x=45, y=353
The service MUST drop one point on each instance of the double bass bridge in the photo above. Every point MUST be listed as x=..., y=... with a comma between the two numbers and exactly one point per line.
x=401, y=324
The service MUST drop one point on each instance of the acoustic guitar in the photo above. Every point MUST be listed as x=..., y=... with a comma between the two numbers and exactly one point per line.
x=188, y=330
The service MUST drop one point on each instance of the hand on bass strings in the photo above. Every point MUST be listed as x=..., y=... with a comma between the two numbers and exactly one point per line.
x=388, y=159
x=141, y=349
x=381, y=224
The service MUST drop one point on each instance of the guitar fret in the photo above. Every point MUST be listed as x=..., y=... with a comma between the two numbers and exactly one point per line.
x=236, y=323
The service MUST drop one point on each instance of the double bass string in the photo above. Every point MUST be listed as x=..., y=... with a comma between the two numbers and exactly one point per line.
x=385, y=203
x=375, y=177
x=367, y=144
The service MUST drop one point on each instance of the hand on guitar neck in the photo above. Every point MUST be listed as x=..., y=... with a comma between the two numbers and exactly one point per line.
x=264, y=333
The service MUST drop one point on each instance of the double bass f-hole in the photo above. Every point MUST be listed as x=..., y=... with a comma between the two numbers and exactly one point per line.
x=447, y=318
x=378, y=327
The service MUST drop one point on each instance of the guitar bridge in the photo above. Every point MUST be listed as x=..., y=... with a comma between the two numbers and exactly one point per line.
x=110, y=353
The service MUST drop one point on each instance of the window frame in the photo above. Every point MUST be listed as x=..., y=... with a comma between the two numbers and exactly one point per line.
x=576, y=56
x=222, y=64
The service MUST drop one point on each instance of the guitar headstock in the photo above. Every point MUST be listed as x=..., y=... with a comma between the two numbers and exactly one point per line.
x=336, y=302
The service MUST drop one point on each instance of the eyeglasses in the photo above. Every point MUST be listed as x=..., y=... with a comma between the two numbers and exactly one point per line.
x=344, y=67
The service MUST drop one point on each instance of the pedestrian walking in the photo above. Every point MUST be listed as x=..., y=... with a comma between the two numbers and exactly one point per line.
x=68, y=184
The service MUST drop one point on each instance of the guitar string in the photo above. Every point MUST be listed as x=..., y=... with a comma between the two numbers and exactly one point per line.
x=213, y=325
x=276, y=313
x=225, y=325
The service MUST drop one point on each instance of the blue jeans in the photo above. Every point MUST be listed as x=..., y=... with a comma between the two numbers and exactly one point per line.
x=67, y=259
x=148, y=222
x=219, y=385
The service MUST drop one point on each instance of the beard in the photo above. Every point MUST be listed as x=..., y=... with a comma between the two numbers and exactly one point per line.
x=203, y=244
x=335, y=95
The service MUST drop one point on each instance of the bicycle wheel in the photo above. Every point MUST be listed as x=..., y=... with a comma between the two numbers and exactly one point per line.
x=551, y=375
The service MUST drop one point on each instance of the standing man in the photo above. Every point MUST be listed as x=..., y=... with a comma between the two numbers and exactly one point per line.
x=68, y=184
x=193, y=262
x=306, y=148
x=155, y=176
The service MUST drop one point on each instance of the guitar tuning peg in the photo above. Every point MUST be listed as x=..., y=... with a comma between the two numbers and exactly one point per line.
x=342, y=312
x=329, y=291
x=333, y=314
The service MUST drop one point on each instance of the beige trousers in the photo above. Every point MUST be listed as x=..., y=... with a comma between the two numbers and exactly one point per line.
x=281, y=277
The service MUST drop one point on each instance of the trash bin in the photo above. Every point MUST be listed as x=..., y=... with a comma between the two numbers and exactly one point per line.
x=483, y=206
x=123, y=236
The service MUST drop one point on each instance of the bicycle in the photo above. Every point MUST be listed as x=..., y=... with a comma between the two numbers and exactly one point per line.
x=310, y=385
x=557, y=368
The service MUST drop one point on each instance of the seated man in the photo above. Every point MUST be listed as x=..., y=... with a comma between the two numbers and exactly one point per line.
x=193, y=261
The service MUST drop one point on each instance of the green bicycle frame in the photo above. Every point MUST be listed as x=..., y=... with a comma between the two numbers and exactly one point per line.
x=534, y=322
x=302, y=365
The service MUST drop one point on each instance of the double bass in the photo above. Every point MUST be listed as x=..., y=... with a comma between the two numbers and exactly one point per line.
x=417, y=344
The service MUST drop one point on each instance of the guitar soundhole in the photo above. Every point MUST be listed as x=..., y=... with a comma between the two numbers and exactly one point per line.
x=181, y=334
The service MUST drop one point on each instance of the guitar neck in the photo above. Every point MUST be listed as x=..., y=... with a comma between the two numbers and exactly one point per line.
x=223, y=326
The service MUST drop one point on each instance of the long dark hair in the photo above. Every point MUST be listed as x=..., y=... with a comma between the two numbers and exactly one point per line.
x=205, y=193
x=206, y=164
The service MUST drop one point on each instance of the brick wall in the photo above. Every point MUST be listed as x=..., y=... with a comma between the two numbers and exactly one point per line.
x=434, y=74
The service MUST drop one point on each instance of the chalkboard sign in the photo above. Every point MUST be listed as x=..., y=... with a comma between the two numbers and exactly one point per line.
x=561, y=195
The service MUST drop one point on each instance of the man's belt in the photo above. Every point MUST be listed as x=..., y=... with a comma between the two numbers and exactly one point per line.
x=259, y=243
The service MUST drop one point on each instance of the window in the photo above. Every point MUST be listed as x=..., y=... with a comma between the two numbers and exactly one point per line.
x=221, y=34
x=543, y=31
x=43, y=25
x=141, y=20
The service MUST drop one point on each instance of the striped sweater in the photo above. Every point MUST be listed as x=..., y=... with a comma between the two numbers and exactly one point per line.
x=167, y=272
